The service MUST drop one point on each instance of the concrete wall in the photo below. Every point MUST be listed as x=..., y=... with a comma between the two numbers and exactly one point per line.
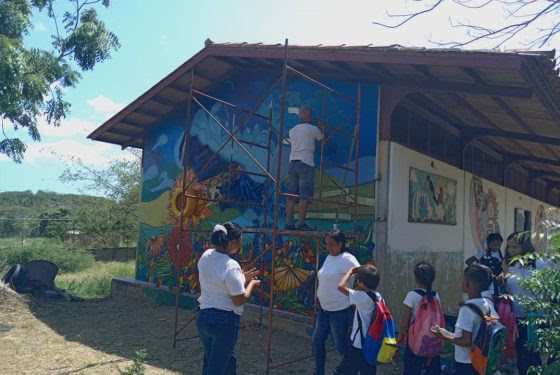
x=482, y=207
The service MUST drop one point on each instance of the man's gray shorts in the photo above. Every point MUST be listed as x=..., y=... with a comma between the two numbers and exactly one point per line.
x=301, y=180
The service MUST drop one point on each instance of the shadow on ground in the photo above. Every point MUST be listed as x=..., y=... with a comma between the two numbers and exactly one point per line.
x=119, y=328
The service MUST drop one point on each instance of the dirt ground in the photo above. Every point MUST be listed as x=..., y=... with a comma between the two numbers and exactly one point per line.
x=100, y=337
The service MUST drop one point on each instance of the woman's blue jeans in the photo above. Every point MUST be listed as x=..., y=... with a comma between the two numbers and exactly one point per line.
x=218, y=331
x=338, y=324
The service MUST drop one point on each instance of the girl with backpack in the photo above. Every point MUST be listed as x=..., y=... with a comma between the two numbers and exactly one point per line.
x=519, y=243
x=225, y=288
x=334, y=311
x=492, y=258
x=421, y=312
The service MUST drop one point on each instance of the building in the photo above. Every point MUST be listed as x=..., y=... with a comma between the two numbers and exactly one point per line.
x=428, y=152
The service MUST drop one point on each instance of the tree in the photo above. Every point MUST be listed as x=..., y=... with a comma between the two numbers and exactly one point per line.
x=113, y=221
x=544, y=309
x=536, y=22
x=31, y=78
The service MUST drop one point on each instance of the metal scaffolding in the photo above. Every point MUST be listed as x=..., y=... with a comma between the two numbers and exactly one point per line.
x=346, y=199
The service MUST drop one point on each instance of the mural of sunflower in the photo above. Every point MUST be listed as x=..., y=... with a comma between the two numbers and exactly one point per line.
x=195, y=209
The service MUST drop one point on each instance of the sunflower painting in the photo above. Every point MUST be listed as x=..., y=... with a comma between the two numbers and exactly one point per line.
x=194, y=209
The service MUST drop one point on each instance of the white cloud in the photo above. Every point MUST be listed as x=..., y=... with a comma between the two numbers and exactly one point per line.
x=95, y=153
x=68, y=128
x=104, y=105
x=39, y=26
x=163, y=40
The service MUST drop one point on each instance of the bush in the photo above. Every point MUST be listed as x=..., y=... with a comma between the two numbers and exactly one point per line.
x=138, y=366
x=95, y=282
x=543, y=302
x=68, y=259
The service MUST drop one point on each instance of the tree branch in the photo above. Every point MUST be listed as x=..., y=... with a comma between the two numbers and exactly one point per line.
x=514, y=9
x=409, y=17
x=53, y=16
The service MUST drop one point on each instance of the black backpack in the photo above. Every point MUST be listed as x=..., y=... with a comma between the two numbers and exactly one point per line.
x=491, y=262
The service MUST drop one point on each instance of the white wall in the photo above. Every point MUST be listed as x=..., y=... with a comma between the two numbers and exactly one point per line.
x=405, y=236
x=445, y=246
x=413, y=237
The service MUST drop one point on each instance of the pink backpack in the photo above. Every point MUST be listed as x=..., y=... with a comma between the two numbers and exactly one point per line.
x=507, y=318
x=421, y=340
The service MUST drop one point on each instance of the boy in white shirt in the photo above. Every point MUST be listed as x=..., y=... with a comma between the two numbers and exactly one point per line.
x=363, y=296
x=476, y=279
x=301, y=175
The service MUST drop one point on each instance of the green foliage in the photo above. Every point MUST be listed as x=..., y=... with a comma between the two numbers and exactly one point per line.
x=67, y=259
x=138, y=366
x=114, y=221
x=47, y=214
x=32, y=79
x=95, y=281
x=543, y=306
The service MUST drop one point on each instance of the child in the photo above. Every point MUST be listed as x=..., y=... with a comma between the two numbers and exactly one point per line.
x=493, y=259
x=414, y=364
x=363, y=296
x=476, y=279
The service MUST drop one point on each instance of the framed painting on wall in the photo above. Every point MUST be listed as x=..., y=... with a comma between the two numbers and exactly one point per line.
x=431, y=198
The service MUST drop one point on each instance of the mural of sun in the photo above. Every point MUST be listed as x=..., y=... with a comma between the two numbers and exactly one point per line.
x=195, y=209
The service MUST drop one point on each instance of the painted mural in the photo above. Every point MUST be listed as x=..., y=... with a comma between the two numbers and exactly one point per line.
x=230, y=185
x=484, y=213
x=431, y=198
x=540, y=232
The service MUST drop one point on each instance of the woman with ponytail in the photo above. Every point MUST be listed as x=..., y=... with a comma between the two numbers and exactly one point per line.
x=225, y=288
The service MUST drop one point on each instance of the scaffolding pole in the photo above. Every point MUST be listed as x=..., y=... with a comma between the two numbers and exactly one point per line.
x=274, y=232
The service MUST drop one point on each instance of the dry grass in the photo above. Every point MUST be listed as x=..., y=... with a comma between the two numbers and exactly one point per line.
x=95, y=281
x=100, y=337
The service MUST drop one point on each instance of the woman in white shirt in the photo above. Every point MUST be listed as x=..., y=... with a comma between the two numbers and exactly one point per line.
x=224, y=290
x=334, y=313
x=519, y=243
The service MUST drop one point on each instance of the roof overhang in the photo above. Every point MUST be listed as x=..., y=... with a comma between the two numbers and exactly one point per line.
x=510, y=98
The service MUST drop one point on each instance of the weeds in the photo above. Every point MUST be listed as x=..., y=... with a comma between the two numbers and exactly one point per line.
x=138, y=366
x=68, y=259
x=95, y=281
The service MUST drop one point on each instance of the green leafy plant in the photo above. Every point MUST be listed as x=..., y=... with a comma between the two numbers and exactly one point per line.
x=32, y=79
x=138, y=366
x=543, y=305
x=67, y=258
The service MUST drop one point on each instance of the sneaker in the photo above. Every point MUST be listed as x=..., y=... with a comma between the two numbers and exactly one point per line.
x=291, y=227
x=305, y=227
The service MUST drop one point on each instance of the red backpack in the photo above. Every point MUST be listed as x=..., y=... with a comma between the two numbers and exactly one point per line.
x=421, y=339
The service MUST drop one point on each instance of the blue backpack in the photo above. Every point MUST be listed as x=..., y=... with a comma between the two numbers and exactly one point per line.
x=379, y=345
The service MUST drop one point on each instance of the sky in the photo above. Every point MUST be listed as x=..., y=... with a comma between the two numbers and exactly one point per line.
x=157, y=36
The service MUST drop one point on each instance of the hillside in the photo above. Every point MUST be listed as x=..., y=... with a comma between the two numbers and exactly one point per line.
x=27, y=204
x=16, y=205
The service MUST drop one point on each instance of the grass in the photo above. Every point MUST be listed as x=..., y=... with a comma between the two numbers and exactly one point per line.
x=67, y=257
x=95, y=281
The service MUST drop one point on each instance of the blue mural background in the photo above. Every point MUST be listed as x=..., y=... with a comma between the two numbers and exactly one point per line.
x=223, y=179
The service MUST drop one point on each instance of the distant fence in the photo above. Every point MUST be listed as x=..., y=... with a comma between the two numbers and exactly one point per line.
x=118, y=254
